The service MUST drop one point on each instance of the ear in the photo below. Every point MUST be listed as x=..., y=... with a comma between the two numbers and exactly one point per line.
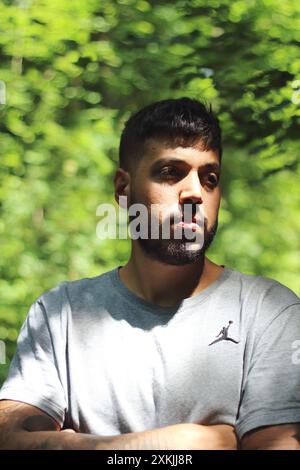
x=122, y=185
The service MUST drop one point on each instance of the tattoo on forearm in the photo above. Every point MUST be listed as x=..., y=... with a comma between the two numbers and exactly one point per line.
x=38, y=423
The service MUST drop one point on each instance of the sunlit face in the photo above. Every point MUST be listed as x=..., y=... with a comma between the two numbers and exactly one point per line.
x=173, y=178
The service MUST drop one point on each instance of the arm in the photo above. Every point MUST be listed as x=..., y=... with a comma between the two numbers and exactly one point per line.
x=25, y=427
x=280, y=437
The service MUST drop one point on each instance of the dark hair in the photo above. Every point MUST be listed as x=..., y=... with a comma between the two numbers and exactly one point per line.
x=179, y=122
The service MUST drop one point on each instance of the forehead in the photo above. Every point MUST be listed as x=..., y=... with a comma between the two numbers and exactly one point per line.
x=194, y=156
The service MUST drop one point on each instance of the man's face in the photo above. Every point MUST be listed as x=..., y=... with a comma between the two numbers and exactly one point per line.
x=167, y=181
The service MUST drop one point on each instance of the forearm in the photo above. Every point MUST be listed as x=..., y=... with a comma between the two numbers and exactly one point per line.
x=43, y=440
x=177, y=437
x=277, y=437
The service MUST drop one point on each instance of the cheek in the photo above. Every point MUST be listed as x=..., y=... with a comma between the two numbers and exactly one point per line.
x=161, y=201
x=211, y=205
x=154, y=194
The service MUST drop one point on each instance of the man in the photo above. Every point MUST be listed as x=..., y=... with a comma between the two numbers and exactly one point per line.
x=129, y=359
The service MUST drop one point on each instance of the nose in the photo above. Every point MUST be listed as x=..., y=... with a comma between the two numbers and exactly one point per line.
x=191, y=191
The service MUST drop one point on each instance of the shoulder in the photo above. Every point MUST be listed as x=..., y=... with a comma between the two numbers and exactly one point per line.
x=264, y=290
x=78, y=292
x=264, y=299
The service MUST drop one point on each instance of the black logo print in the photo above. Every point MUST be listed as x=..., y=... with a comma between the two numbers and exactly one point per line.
x=224, y=335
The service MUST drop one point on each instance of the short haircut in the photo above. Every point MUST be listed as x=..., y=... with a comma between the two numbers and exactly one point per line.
x=182, y=122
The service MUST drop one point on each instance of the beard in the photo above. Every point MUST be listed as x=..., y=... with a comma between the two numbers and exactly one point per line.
x=176, y=251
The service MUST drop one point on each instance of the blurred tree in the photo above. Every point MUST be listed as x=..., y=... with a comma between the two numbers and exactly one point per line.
x=74, y=71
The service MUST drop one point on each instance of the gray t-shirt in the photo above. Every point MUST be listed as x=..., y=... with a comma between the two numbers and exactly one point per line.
x=99, y=359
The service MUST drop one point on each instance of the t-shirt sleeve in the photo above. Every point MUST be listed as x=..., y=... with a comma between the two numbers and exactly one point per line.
x=33, y=375
x=271, y=388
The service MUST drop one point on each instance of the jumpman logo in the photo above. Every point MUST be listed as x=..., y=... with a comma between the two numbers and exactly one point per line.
x=224, y=335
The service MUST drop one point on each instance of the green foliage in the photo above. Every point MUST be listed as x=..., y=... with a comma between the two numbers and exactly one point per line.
x=74, y=71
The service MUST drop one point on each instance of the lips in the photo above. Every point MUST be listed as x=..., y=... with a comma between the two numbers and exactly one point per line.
x=189, y=225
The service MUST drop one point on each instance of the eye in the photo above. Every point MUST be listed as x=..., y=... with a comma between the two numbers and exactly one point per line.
x=211, y=180
x=169, y=172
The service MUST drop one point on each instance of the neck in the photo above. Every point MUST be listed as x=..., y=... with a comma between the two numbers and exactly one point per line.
x=164, y=284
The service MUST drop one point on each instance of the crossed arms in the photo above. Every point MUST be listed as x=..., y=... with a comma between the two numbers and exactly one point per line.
x=24, y=426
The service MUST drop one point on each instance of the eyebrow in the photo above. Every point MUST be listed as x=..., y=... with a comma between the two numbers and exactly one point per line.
x=173, y=160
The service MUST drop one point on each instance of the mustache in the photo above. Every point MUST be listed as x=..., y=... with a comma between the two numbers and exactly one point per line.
x=183, y=212
x=183, y=216
x=169, y=214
